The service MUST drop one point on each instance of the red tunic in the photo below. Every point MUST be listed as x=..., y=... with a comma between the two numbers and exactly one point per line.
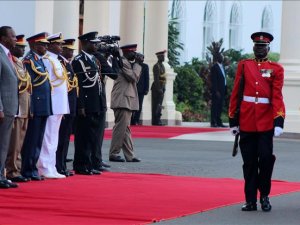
x=262, y=80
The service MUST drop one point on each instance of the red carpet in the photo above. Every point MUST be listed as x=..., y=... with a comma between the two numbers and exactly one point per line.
x=120, y=198
x=161, y=131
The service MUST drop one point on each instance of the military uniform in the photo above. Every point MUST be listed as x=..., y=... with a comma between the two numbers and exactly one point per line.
x=60, y=106
x=40, y=109
x=158, y=89
x=66, y=125
x=90, y=100
x=13, y=161
x=262, y=109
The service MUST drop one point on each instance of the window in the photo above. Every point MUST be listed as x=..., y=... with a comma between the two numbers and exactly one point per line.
x=267, y=20
x=208, y=25
x=235, y=26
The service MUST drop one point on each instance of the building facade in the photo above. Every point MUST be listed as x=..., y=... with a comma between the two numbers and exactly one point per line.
x=146, y=23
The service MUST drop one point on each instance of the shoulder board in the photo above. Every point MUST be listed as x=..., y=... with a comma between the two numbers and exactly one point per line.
x=77, y=57
x=28, y=56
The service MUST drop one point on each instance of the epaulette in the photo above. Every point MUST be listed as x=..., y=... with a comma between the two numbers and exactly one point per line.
x=28, y=56
x=78, y=56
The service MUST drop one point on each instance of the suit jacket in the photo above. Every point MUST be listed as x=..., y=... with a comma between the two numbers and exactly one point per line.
x=217, y=80
x=143, y=84
x=8, y=86
x=41, y=87
x=72, y=94
x=90, y=87
x=124, y=93
x=24, y=95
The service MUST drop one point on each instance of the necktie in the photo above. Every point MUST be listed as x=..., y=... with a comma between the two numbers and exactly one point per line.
x=10, y=58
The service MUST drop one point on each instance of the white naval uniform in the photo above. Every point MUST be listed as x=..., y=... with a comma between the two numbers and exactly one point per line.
x=60, y=106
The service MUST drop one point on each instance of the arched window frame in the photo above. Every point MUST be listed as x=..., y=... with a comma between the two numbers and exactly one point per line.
x=267, y=21
x=209, y=22
x=235, y=26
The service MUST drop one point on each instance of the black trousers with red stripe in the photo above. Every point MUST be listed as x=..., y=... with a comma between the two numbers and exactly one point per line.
x=257, y=153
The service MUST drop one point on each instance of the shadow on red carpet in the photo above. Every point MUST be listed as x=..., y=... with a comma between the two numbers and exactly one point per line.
x=120, y=198
x=162, y=131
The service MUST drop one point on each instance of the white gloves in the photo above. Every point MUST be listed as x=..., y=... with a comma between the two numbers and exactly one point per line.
x=278, y=131
x=234, y=130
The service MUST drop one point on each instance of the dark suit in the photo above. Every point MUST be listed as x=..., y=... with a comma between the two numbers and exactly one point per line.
x=40, y=109
x=143, y=89
x=218, y=91
x=67, y=121
x=92, y=98
x=8, y=105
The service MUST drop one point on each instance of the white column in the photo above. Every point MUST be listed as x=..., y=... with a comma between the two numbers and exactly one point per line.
x=132, y=31
x=44, y=18
x=132, y=23
x=96, y=16
x=66, y=18
x=156, y=39
x=290, y=59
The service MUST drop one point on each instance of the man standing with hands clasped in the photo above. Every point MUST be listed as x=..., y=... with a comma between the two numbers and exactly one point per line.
x=261, y=117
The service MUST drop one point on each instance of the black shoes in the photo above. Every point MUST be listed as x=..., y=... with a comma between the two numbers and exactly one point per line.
x=36, y=178
x=116, y=159
x=19, y=179
x=134, y=160
x=249, y=206
x=8, y=184
x=265, y=204
x=88, y=172
x=84, y=172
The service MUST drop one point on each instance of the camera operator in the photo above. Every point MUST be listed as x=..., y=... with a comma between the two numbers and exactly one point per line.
x=108, y=58
x=124, y=100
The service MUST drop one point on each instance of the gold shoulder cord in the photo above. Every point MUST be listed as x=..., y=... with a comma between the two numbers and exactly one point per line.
x=71, y=83
x=24, y=81
x=41, y=74
x=62, y=77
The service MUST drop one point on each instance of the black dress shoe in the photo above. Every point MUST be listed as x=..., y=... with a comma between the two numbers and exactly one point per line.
x=103, y=164
x=265, y=204
x=103, y=169
x=19, y=179
x=4, y=184
x=116, y=159
x=11, y=184
x=134, y=160
x=36, y=178
x=96, y=172
x=221, y=125
x=249, y=206
x=213, y=125
x=68, y=160
x=84, y=172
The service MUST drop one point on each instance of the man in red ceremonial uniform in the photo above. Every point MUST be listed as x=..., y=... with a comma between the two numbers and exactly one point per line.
x=261, y=117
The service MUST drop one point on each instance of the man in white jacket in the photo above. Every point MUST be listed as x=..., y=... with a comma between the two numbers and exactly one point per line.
x=60, y=106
